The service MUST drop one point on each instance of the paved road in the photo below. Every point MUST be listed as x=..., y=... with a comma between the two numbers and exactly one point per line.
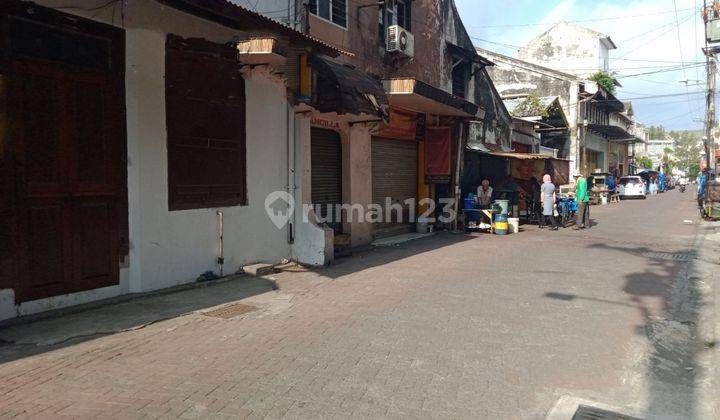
x=452, y=326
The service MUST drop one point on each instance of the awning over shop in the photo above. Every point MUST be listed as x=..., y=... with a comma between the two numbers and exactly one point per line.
x=256, y=51
x=234, y=16
x=470, y=55
x=419, y=96
x=607, y=100
x=346, y=90
x=523, y=156
x=486, y=148
x=614, y=133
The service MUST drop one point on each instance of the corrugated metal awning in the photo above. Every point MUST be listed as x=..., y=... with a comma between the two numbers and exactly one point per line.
x=235, y=16
x=350, y=91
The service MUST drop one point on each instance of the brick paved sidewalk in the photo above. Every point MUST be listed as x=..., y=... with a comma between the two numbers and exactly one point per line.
x=452, y=326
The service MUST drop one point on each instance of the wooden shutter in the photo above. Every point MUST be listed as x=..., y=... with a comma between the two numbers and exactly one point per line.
x=205, y=111
x=68, y=151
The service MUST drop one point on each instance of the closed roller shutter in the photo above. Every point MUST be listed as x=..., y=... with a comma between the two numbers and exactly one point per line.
x=394, y=175
x=326, y=160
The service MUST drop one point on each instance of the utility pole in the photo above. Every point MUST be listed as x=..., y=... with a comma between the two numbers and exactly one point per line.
x=711, y=69
x=710, y=119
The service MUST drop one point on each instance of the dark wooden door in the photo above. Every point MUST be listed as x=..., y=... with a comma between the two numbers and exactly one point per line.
x=68, y=172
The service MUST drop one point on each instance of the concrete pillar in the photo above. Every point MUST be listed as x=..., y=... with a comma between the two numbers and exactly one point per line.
x=313, y=244
x=357, y=180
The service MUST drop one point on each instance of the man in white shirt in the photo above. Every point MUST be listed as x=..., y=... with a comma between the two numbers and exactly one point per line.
x=484, y=193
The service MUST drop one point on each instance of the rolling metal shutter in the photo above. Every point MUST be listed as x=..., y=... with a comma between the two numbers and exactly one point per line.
x=326, y=161
x=394, y=175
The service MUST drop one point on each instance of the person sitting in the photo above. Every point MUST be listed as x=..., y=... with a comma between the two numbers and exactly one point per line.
x=484, y=194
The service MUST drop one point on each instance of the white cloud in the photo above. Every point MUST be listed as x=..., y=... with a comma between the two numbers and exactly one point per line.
x=560, y=12
x=646, y=34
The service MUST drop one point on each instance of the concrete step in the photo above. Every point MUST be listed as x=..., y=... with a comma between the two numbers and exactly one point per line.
x=258, y=270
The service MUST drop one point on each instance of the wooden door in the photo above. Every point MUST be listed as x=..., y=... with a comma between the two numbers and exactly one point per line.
x=68, y=171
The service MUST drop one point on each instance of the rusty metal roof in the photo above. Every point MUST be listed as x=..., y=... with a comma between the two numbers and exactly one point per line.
x=353, y=91
x=235, y=16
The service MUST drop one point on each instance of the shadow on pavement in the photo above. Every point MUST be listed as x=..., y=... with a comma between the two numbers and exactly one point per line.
x=75, y=325
x=672, y=370
x=370, y=257
x=26, y=339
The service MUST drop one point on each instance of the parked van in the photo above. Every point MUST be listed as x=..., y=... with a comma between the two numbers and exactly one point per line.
x=631, y=186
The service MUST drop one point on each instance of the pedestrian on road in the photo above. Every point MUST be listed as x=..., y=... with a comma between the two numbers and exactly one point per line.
x=547, y=198
x=653, y=186
x=583, y=199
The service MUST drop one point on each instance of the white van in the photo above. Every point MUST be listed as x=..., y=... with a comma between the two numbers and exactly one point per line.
x=631, y=186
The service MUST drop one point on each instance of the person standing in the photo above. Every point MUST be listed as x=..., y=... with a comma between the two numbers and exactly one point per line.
x=547, y=199
x=583, y=199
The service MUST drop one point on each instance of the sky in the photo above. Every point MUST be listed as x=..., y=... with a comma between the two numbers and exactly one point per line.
x=662, y=37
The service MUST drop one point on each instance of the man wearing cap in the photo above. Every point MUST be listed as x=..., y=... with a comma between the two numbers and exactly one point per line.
x=583, y=199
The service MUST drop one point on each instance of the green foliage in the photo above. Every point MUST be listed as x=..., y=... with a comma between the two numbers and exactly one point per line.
x=530, y=105
x=657, y=132
x=687, y=152
x=644, y=162
x=604, y=80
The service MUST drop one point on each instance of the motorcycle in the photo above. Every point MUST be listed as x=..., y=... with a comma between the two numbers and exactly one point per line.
x=682, y=188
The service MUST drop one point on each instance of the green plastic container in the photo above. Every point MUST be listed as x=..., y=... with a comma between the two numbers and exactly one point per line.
x=504, y=206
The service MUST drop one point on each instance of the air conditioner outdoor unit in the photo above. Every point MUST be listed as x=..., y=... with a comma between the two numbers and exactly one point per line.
x=400, y=41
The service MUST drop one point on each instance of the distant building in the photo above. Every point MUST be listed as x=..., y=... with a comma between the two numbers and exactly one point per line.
x=570, y=48
x=655, y=149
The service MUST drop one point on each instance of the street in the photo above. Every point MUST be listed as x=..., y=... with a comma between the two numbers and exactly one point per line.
x=450, y=326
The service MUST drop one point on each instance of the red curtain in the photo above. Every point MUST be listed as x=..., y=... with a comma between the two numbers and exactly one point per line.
x=437, y=150
x=403, y=125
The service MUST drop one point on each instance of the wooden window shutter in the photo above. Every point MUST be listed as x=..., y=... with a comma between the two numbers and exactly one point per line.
x=205, y=111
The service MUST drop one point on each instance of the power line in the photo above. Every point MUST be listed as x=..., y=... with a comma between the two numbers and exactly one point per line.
x=678, y=68
x=658, y=36
x=578, y=21
x=682, y=60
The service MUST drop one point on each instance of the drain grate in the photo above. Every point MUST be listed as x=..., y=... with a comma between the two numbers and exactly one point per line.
x=230, y=311
x=668, y=256
x=585, y=412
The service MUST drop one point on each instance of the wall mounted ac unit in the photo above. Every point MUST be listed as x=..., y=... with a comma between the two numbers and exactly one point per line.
x=400, y=41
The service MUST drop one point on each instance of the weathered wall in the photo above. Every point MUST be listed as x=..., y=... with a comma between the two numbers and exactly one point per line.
x=569, y=48
x=169, y=248
x=515, y=78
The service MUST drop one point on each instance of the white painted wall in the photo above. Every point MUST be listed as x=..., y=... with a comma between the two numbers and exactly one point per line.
x=313, y=243
x=569, y=48
x=170, y=248
x=598, y=144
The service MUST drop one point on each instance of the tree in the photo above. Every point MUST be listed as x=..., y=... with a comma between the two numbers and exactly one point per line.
x=531, y=105
x=687, y=153
x=643, y=161
x=604, y=80
x=657, y=132
x=667, y=160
